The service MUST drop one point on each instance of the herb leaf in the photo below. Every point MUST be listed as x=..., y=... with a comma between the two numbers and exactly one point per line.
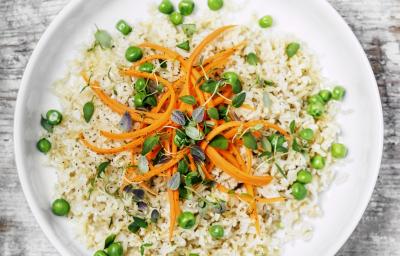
x=184, y=45
x=281, y=170
x=249, y=141
x=181, y=139
x=213, y=113
x=178, y=117
x=143, y=246
x=189, y=29
x=183, y=167
x=238, y=100
x=149, y=144
x=48, y=127
x=198, y=114
x=102, y=168
x=252, y=59
x=126, y=122
x=297, y=147
x=174, y=182
x=277, y=142
x=109, y=240
x=292, y=126
x=88, y=110
x=188, y=99
x=137, y=224
x=194, y=133
x=103, y=39
x=209, y=86
x=197, y=153
x=220, y=142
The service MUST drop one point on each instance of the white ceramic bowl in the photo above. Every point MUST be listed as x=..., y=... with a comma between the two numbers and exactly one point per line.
x=314, y=21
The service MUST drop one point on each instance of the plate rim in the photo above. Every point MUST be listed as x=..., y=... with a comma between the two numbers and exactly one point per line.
x=66, y=10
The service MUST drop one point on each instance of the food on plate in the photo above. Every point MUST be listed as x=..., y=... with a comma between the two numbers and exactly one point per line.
x=185, y=136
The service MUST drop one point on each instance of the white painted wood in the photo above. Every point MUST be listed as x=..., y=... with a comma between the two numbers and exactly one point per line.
x=376, y=23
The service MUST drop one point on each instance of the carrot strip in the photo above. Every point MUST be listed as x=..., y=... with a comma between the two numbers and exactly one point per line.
x=197, y=51
x=167, y=51
x=98, y=150
x=228, y=156
x=172, y=214
x=250, y=190
x=152, y=57
x=233, y=171
x=217, y=130
x=162, y=168
x=271, y=200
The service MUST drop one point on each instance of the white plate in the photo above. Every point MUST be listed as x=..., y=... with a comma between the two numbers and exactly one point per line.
x=314, y=21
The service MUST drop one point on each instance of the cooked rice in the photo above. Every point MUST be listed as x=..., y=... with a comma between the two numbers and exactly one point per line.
x=295, y=80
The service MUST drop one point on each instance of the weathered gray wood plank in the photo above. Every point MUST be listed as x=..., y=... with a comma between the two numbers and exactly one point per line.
x=376, y=24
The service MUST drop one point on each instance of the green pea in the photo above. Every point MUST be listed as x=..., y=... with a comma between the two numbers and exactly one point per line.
x=140, y=85
x=43, y=145
x=213, y=113
x=186, y=220
x=146, y=67
x=176, y=18
x=299, y=192
x=315, y=99
x=318, y=162
x=252, y=59
x=216, y=231
x=133, y=53
x=215, y=5
x=115, y=249
x=304, y=176
x=186, y=7
x=54, y=117
x=338, y=150
x=138, y=99
x=100, y=253
x=306, y=134
x=338, y=93
x=325, y=95
x=233, y=79
x=316, y=109
x=88, y=110
x=123, y=27
x=60, y=207
x=166, y=7
x=266, y=21
x=292, y=49
x=151, y=100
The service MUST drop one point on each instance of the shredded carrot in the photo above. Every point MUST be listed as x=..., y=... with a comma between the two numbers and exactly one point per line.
x=228, y=156
x=98, y=150
x=158, y=121
x=233, y=171
x=197, y=51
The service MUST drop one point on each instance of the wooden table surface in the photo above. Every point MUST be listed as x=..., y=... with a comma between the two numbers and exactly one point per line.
x=376, y=23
